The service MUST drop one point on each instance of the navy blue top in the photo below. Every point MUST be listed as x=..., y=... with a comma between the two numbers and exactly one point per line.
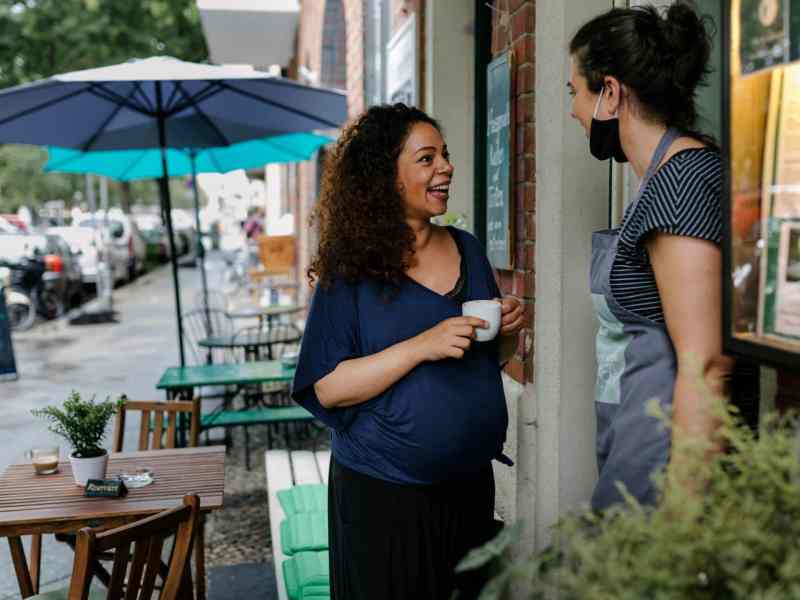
x=444, y=417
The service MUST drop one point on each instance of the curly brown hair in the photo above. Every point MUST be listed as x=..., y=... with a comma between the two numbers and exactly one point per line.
x=362, y=229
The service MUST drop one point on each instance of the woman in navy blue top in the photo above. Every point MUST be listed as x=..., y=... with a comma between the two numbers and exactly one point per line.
x=415, y=405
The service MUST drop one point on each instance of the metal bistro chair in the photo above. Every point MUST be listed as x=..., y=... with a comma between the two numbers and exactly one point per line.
x=137, y=549
x=277, y=338
x=199, y=324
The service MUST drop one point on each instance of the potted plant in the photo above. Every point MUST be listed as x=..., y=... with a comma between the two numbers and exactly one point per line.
x=83, y=424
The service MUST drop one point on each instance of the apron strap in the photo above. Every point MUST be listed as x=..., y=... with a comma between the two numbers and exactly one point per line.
x=670, y=135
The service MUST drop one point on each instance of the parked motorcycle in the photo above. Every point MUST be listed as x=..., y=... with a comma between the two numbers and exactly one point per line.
x=34, y=283
x=20, y=308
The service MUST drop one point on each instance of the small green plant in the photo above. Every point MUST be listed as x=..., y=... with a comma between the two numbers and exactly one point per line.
x=81, y=422
x=734, y=536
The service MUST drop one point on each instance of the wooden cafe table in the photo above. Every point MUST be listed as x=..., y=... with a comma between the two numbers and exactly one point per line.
x=31, y=503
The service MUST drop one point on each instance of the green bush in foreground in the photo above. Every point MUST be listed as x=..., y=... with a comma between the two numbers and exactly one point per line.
x=738, y=539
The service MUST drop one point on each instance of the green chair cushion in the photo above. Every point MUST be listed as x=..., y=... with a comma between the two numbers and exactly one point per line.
x=315, y=592
x=306, y=570
x=304, y=498
x=304, y=532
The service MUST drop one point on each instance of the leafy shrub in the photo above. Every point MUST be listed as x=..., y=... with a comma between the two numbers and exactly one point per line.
x=81, y=422
x=735, y=539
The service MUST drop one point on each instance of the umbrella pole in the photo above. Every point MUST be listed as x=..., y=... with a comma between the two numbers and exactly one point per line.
x=166, y=205
x=200, y=249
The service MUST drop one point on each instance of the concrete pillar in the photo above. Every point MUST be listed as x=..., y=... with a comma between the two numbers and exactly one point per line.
x=556, y=427
x=450, y=91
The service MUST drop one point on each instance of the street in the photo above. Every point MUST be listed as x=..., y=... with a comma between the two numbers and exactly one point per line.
x=101, y=359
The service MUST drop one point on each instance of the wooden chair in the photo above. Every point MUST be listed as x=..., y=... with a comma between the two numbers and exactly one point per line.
x=158, y=428
x=139, y=545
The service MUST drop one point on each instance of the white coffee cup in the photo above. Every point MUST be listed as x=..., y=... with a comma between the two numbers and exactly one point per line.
x=488, y=310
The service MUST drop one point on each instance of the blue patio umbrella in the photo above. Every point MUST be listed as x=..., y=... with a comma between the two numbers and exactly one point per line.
x=162, y=103
x=128, y=165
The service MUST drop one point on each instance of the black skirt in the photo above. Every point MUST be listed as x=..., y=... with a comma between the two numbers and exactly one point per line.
x=402, y=542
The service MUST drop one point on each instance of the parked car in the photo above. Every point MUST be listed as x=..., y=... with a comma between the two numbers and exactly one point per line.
x=8, y=228
x=183, y=224
x=16, y=222
x=125, y=239
x=155, y=236
x=87, y=245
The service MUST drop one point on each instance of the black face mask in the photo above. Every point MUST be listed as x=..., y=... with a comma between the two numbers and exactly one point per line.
x=604, y=138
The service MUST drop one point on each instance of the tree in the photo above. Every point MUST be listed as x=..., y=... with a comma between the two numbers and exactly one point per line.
x=22, y=181
x=40, y=38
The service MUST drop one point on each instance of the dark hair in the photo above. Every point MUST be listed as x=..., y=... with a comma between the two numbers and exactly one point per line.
x=662, y=60
x=362, y=229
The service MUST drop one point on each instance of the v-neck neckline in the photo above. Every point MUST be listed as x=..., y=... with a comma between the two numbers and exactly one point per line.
x=461, y=271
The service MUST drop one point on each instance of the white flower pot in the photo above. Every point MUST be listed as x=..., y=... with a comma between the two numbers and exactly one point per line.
x=84, y=469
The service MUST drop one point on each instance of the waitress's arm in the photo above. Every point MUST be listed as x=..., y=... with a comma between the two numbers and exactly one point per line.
x=689, y=277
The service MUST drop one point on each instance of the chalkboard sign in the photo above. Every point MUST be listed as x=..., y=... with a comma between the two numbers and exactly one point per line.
x=498, y=162
x=8, y=366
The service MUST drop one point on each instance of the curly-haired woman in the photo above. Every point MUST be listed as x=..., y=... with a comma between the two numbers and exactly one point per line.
x=415, y=405
x=655, y=281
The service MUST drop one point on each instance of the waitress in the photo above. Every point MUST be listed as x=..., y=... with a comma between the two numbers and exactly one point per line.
x=656, y=280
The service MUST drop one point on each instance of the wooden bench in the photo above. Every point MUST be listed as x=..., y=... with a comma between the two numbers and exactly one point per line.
x=284, y=469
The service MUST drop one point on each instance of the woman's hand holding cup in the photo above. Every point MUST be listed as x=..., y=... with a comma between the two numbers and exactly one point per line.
x=449, y=339
x=512, y=315
x=488, y=310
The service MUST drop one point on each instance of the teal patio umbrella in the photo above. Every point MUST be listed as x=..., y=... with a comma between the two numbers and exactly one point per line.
x=128, y=165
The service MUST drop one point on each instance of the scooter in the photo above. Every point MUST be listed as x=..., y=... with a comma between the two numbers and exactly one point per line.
x=20, y=308
x=38, y=280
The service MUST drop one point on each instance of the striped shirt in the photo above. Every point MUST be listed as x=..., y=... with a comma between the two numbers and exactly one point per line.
x=682, y=198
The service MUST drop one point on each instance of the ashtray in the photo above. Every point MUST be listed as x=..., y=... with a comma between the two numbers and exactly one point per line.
x=136, y=478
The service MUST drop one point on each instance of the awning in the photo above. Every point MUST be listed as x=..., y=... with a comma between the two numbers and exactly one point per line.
x=255, y=32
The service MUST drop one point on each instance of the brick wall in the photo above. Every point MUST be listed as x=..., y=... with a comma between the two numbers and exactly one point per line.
x=513, y=27
x=308, y=53
x=354, y=19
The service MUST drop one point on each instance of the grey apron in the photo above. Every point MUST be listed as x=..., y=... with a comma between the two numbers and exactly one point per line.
x=635, y=363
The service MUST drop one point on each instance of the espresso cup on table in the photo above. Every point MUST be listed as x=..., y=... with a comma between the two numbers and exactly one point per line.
x=490, y=311
x=44, y=459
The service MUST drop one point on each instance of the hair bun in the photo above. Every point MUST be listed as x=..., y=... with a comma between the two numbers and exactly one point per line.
x=688, y=42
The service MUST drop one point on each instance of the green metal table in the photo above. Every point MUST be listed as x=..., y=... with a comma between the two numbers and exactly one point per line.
x=176, y=381
x=180, y=382
x=270, y=312
x=252, y=342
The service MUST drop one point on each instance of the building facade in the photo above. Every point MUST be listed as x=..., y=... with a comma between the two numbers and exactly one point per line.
x=438, y=54
x=435, y=54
